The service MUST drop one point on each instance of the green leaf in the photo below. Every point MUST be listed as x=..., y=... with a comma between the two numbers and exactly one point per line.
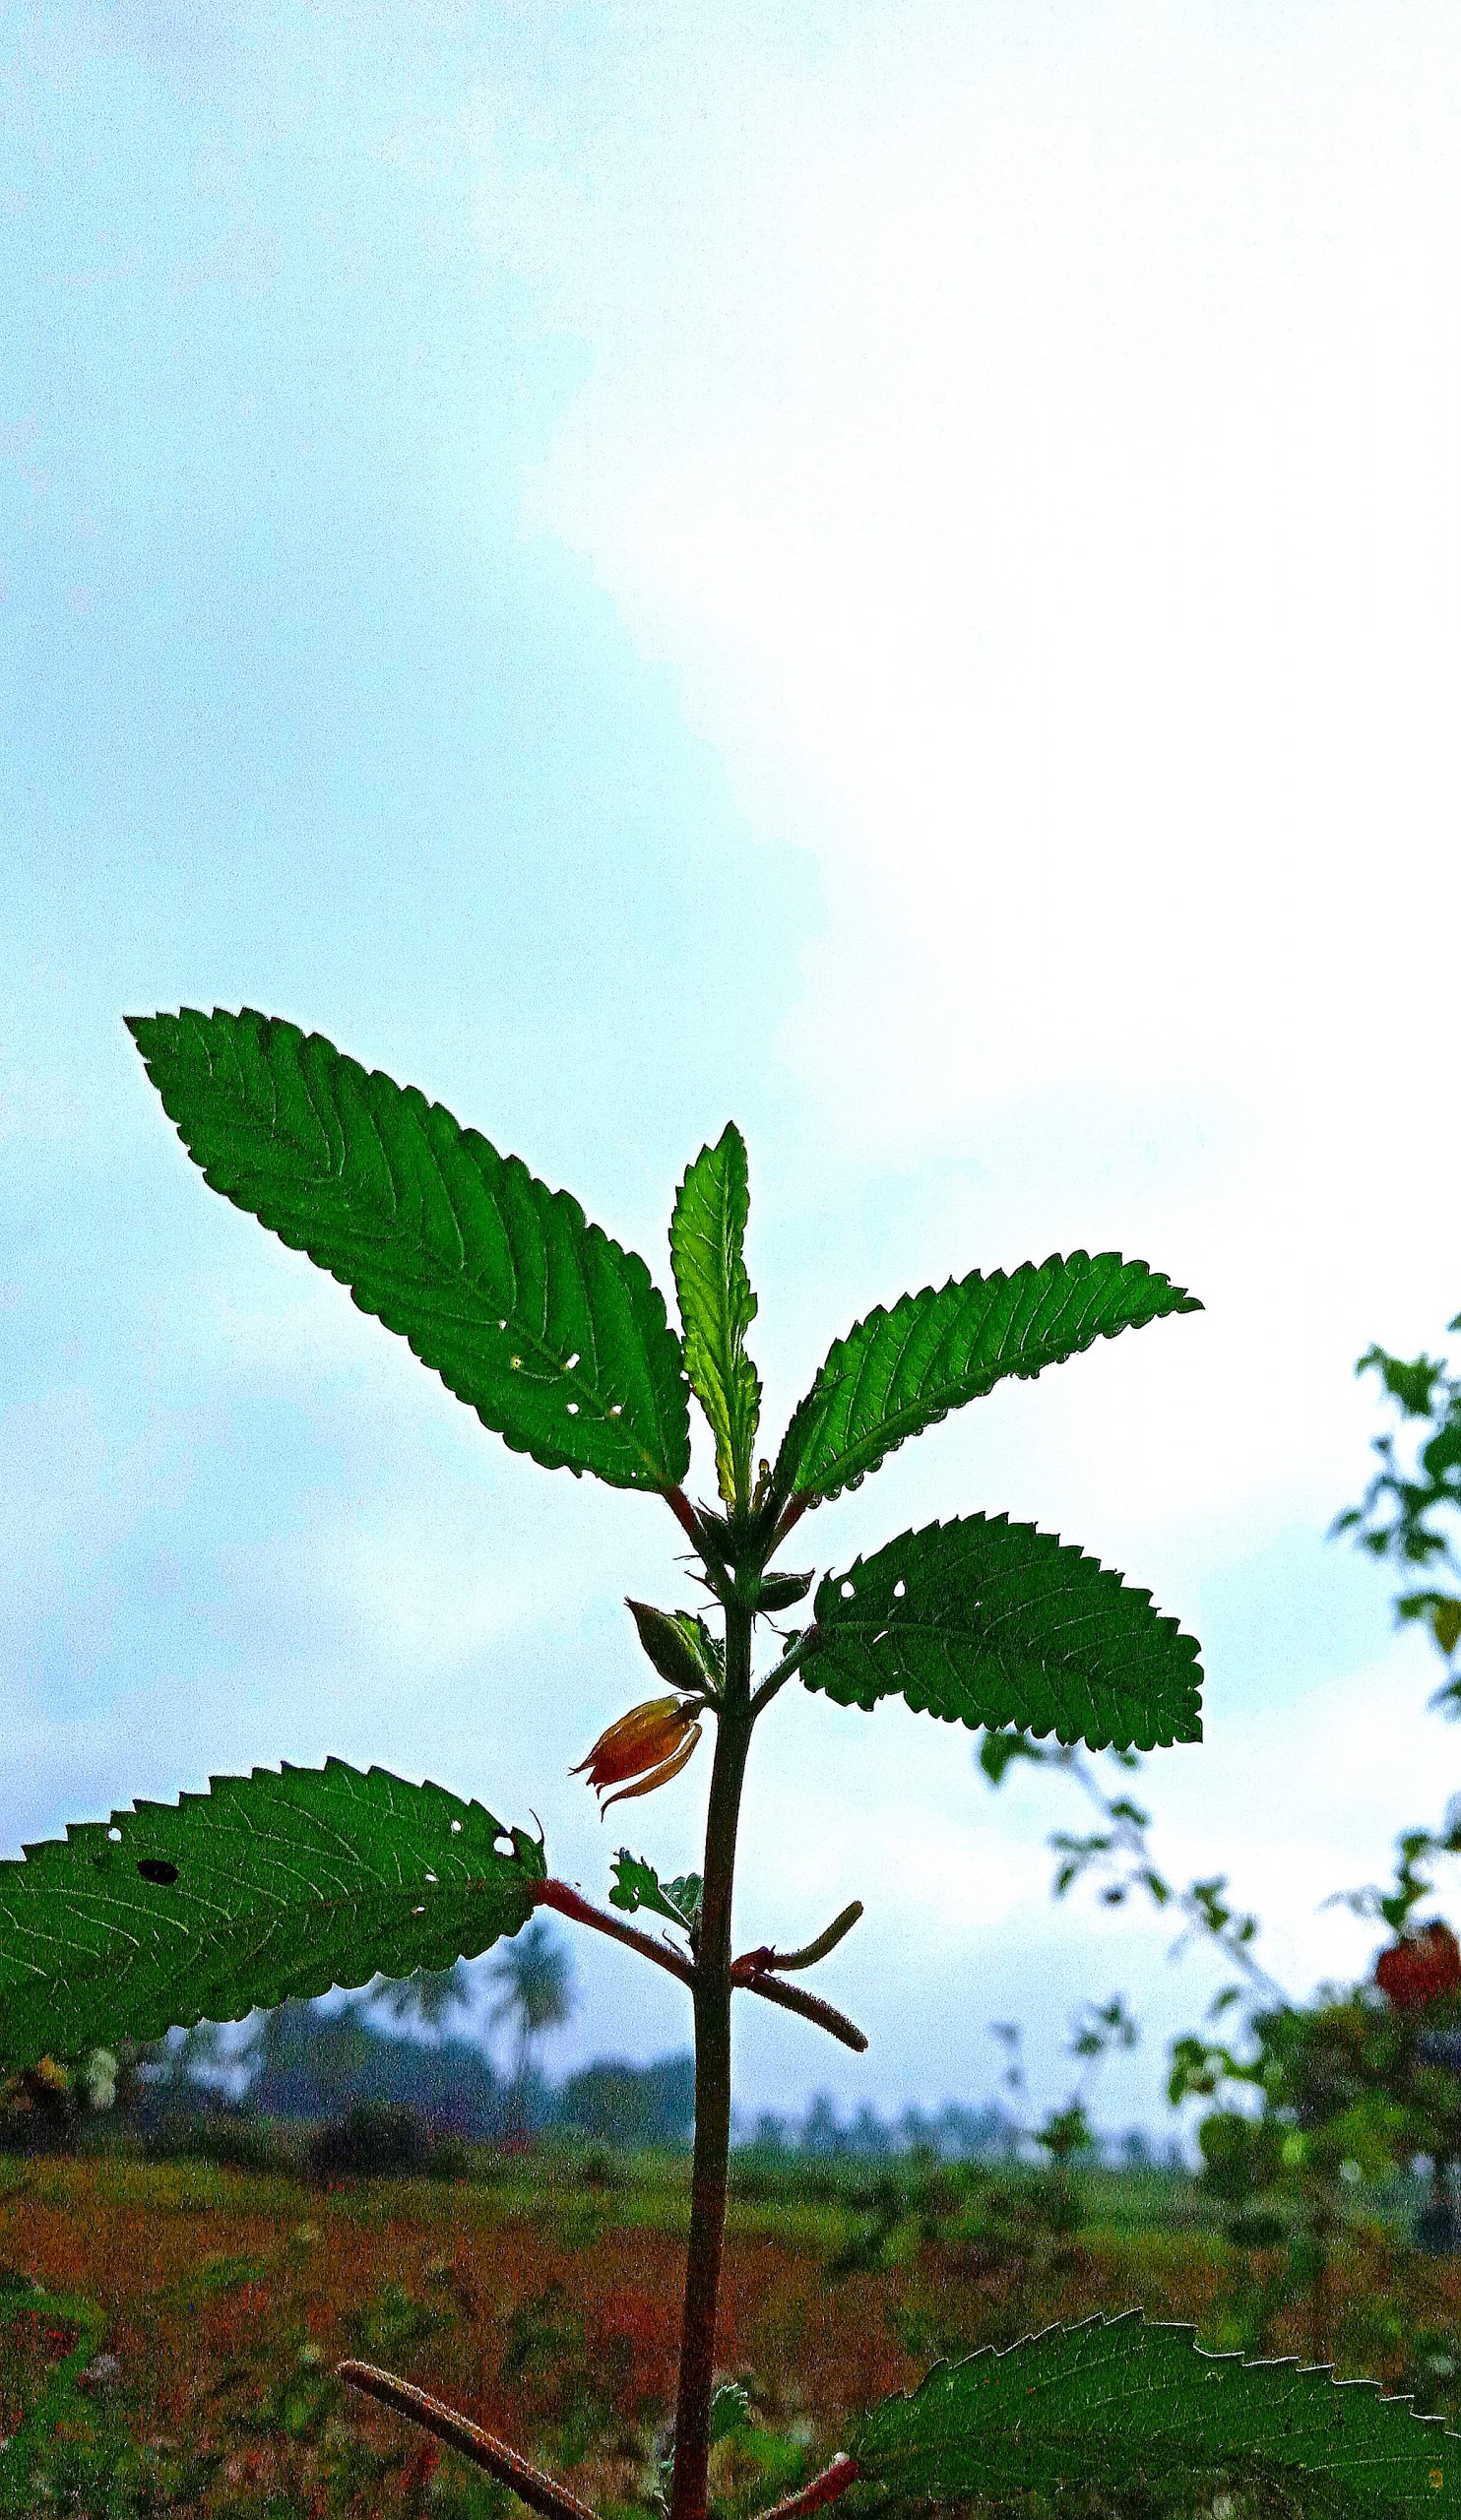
x=901, y=1371
x=636, y=1885
x=717, y=1308
x=986, y=1622
x=1114, y=2403
x=729, y=2412
x=265, y=1886
x=553, y=1333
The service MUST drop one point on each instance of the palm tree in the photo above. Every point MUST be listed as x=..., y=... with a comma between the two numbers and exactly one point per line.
x=535, y=1990
x=427, y=1998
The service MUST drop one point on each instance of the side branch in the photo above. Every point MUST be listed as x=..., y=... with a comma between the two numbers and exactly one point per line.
x=796, y=1999
x=540, y=2493
x=765, y=1957
x=826, y=2487
x=570, y=1903
x=796, y=1655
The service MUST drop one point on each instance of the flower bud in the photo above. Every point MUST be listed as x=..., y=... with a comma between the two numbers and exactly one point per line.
x=679, y=1644
x=1423, y=1965
x=652, y=1741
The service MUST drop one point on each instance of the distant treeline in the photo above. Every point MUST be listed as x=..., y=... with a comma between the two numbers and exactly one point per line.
x=306, y=2062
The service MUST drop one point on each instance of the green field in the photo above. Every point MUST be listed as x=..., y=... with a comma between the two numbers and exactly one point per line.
x=540, y=2292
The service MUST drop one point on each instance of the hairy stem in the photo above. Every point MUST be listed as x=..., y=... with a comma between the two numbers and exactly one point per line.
x=540, y=2493
x=826, y=2487
x=712, y=1998
x=748, y=1971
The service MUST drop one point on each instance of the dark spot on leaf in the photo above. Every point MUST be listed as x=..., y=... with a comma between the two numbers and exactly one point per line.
x=154, y=1867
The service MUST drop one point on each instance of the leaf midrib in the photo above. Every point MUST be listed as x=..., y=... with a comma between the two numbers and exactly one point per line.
x=426, y=1267
x=836, y=1383
x=366, y=1906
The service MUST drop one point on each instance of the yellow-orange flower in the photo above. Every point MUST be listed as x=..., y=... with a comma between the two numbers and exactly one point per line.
x=652, y=1741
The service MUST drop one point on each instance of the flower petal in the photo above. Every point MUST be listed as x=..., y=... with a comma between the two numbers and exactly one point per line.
x=661, y=1775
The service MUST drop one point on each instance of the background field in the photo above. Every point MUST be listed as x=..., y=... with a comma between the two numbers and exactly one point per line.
x=541, y=2292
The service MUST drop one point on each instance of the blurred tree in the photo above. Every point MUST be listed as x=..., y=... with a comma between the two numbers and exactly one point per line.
x=535, y=1992
x=426, y=1999
x=632, y=2104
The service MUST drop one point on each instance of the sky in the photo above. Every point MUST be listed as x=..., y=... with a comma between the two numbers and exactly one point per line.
x=888, y=572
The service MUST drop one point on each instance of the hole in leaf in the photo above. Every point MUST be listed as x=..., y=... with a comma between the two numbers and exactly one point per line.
x=572, y=1362
x=503, y=1325
x=502, y=1843
x=115, y=1836
x=418, y=1911
x=847, y=1591
x=617, y=1410
x=899, y=1590
x=431, y=1876
x=156, y=1867
x=456, y=1828
x=573, y=1408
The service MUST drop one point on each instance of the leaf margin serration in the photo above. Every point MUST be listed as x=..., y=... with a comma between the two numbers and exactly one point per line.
x=1014, y=2456
x=645, y=1432
x=131, y=1960
x=718, y=1302
x=881, y=1341
x=1019, y=1557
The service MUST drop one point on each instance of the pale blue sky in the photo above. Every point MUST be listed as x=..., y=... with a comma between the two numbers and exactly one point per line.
x=893, y=574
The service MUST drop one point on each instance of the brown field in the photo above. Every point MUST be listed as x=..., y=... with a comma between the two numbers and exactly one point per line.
x=548, y=2311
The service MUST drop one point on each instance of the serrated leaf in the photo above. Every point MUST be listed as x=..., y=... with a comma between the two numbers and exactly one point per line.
x=636, y=1885
x=707, y=1237
x=902, y=1370
x=556, y=1336
x=265, y=1886
x=986, y=1622
x=729, y=2412
x=1113, y=2403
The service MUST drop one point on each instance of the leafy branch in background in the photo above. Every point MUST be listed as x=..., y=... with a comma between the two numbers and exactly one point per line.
x=1424, y=1391
x=1352, y=2081
x=558, y=1339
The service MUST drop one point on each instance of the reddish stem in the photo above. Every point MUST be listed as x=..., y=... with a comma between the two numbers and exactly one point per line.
x=540, y=2493
x=826, y=2487
x=572, y=1904
x=789, y=1519
x=686, y=1515
x=796, y=1999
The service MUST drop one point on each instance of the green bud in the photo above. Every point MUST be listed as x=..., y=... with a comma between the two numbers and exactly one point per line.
x=779, y=1591
x=680, y=1648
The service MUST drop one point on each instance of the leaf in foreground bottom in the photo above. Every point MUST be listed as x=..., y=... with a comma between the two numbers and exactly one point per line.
x=1116, y=2402
x=265, y=1886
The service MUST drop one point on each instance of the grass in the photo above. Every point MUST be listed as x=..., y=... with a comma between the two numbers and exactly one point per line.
x=544, y=2295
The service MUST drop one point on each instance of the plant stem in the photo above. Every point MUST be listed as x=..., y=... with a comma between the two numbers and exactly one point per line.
x=745, y=1972
x=826, y=2487
x=540, y=2493
x=712, y=2001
